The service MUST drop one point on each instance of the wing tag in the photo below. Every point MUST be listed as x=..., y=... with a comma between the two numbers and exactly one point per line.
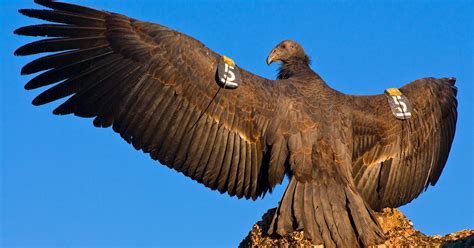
x=228, y=73
x=400, y=105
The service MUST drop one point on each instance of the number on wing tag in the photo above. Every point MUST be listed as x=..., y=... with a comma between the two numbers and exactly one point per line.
x=228, y=73
x=401, y=107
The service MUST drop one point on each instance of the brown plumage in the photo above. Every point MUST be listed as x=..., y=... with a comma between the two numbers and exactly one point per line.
x=345, y=155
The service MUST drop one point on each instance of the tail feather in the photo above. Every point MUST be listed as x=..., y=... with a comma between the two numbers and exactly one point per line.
x=363, y=220
x=284, y=216
x=329, y=213
x=298, y=206
x=309, y=216
x=332, y=218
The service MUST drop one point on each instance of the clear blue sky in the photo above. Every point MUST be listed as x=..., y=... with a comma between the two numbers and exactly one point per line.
x=66, y=183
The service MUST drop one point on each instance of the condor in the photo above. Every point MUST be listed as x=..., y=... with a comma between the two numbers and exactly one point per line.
x=346, y=156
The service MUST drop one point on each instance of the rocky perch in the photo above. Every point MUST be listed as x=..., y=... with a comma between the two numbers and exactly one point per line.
x=398, y=229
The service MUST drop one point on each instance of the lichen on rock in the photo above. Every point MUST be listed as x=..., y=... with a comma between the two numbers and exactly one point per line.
x=397, y=228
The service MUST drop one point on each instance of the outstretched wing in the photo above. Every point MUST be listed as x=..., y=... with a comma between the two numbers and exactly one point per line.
x=157, y=88
x=395, y=160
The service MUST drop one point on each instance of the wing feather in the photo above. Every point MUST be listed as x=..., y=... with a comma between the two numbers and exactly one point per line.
x=393, y=160
x=59, y=30
x=66, y=17
x=217, y=165
x=157, y=88
x=60, y=44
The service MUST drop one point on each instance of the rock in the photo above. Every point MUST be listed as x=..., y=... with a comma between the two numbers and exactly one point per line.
x=398, y=230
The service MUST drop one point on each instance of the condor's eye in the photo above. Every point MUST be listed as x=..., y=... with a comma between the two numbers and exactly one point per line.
x=292, y=46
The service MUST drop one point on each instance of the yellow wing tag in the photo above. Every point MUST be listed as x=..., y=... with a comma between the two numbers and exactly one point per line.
x=393, y=92
x=228, y=61
x=400, y=105
x=228, y=73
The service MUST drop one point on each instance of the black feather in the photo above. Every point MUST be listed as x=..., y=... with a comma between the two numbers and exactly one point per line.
x=60, y=30
x=60, y=44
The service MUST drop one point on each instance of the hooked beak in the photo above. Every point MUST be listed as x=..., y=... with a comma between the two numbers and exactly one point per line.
x=273, y=57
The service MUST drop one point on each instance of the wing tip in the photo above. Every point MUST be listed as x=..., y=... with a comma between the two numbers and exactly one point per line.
x=452, y=80
x=36, y=102
x=18, y=31
x=19, y=52
x=42, y=99
x=28, y=69
x=22, y=51
x=45, y=3
x=26, y=31
x=58, y=111
x=27, y=87
x=27, y=12
x=30, y=85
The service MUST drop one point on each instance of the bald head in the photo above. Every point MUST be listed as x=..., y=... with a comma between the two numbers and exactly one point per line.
x=287, y=51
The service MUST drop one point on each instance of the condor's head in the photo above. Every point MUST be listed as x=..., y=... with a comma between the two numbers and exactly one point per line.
x=288, y=51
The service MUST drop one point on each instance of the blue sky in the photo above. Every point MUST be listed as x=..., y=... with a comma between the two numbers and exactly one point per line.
x=65, y=183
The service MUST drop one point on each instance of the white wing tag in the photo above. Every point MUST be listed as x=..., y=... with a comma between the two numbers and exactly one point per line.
x=228, y=73
x=400, y=105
